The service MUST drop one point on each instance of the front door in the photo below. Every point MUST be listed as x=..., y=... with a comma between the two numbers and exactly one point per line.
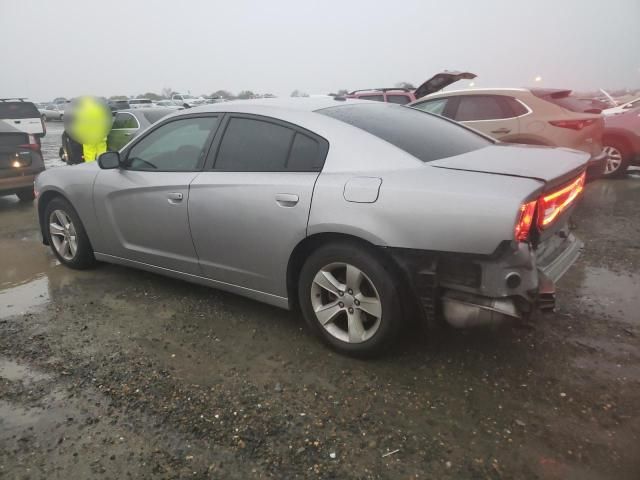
x=250, y=210
x=142, y=208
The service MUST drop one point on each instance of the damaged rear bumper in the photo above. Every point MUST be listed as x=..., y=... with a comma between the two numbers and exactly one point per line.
x=511, y=284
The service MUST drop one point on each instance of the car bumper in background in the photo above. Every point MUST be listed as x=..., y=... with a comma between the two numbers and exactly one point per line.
x=12, y=181
x=596, y=166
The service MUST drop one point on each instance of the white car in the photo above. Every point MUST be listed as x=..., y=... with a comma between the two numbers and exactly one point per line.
x=186, y=100
x=625, y=107
x=141, y=103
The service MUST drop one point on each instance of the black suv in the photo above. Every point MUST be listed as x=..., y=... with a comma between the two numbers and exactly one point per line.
x=20, y=153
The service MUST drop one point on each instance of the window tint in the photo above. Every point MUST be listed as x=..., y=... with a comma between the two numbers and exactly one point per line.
x=515, y=106
x=375, y=98
x=125, y=120
x=479, y=107
x=305, y=155
x=433, y=106
x=420, y=134
x=156, y=114
x=252, y=145
x=176, y=146
x=18, y=110
x=398, y=99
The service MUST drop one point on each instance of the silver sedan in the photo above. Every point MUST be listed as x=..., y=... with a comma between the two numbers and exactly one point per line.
x=361, y=214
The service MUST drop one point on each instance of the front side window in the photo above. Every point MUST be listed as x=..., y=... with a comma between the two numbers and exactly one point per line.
x=175, y=146
x=398, y=99
x=252, y=145
x=436, y=106
x=124, y=120
x=479, y=107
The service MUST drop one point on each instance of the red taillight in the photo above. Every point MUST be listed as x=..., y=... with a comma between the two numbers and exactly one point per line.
x=525, y=219
x=573, y=124
x=554, y=203
x=32, y=145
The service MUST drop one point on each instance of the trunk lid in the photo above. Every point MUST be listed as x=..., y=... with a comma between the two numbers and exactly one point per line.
x=550, y=165
x=440, y=81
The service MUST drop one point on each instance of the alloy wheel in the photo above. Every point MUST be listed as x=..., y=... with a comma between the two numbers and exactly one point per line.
x=63, y=234
x=614, y=159
x=346, y=302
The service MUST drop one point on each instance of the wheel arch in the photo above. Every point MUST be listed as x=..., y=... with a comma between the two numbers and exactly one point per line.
x=310, y=244
x=43, y=200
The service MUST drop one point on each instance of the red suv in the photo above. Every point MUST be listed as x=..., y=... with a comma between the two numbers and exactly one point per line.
x=402, y=96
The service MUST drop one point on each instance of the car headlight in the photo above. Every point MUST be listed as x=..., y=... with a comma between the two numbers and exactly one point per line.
x=16, y=164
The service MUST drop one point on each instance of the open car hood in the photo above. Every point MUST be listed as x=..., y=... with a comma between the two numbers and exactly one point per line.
x=440, y=81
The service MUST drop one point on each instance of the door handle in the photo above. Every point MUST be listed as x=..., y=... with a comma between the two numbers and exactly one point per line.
x=287, y=199
x=174, y=197
x=128, y=134
x=501, y=130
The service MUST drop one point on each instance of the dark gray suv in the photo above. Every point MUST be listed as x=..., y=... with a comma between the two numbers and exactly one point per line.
x=20, y=152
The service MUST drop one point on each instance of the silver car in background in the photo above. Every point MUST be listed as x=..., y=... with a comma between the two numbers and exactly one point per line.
x=361, y=214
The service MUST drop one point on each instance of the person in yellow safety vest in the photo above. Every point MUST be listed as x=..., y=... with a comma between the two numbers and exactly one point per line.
x=90, y=125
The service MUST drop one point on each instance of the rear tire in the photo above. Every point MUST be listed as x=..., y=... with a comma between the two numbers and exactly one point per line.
x=618, y=158
x=26, y=195
x=349, y=299
x=66, y=235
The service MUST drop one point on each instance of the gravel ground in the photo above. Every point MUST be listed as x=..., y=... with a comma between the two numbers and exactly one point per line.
x=116, y=373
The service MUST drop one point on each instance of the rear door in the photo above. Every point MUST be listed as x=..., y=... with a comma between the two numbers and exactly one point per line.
x=489, y=114
x=125, y=126
x=20, y=116
x=142, y=208
x=250, y=209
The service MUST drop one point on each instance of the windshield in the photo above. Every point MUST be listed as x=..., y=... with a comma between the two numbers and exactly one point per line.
x=425, y=136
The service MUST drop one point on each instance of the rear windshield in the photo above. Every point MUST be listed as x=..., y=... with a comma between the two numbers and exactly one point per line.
x=13, y=139
x=18, y=110
x=156, y=114
x=139, y=101
x=425, y=136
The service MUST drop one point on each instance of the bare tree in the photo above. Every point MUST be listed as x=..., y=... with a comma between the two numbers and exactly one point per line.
x=407, y=85
x=167, y=92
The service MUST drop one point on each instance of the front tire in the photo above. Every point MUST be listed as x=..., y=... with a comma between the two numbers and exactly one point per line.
x=348, y=297
x=618, y=158
x=66, y=235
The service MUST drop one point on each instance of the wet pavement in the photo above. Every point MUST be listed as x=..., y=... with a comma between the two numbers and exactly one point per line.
x=114, y=373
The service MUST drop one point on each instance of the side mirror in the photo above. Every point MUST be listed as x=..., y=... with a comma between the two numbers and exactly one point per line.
x=109, y=160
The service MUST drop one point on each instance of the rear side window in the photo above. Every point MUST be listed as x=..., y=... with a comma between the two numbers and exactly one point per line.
x=426, y=137
x=516, y=107
x=398, y=99
x=124, y=120
x=432, y=106
x=480, y=107
x=375, y=98
x=305, y=155
x=18, y=110
x=252, y=145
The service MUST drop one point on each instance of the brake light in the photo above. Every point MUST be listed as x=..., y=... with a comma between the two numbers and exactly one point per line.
x=554, y=203
x=573, y=124
x=525, y=219
x=32, y=145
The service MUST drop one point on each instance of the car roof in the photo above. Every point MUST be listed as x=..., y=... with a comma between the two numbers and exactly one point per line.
x=475, y=91
x=305, y=104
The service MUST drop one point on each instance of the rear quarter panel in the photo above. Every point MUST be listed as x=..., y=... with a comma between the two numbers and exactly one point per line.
x=425, y=208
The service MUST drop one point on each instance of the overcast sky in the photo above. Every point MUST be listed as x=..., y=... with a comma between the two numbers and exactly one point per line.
x=73, y=47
